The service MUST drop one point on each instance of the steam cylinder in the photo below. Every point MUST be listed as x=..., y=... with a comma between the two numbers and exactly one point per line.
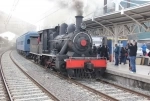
x=63, y=28
x=71, y=28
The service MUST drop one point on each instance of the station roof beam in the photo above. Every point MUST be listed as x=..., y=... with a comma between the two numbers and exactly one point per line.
x=131, y=21
x=139, y=13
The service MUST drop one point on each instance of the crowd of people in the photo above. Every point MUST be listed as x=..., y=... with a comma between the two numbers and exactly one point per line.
x=101, y=51
x=121, y=55
x=129, y=52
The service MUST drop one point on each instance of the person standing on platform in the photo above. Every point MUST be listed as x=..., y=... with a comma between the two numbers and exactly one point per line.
x=126, y=54
x=116, y=55
x=122, y=55
x=94, y=49
x=144, y=47
x=149, y=54
x=99, y=51
x=107, y=52
x=104, y=51
x=133, y=51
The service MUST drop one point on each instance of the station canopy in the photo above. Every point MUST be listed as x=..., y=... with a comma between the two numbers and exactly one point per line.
x=129, y=15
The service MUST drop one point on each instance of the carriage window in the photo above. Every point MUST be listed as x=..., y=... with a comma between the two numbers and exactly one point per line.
x=28, y=41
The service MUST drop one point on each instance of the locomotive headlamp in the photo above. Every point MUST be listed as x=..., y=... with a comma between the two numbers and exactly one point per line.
x=83, y=25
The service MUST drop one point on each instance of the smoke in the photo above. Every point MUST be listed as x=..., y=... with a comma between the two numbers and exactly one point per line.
x=71, y=8
x=75, y=5
x=78, y=6
x=60, y=3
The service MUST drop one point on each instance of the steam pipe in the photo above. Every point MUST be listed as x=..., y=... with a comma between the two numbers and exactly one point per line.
x=64, y=48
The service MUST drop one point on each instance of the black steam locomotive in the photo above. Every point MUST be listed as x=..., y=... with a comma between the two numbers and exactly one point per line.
x=67, y=49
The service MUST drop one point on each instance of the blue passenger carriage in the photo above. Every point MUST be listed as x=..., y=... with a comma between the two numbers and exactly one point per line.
x=23, y=43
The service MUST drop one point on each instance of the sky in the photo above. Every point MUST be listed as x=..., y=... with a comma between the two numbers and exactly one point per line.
x=36, y=11
x=48, y=13
x=27, y=10
x=10, y=35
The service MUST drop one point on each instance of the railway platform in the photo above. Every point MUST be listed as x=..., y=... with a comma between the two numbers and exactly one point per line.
x=123, y=75
x=142, y=70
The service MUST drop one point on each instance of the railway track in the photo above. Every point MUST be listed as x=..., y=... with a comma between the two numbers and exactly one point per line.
x=115, y=91
x=105, y=96
x=127, y=94
x=124, y=89
x=19, y=85
x=3, y=91
x=106, y=90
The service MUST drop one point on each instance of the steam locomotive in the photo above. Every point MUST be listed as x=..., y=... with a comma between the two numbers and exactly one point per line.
x=67, y=49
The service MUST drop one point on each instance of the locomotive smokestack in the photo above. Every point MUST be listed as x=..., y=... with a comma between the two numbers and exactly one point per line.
x=78, y=22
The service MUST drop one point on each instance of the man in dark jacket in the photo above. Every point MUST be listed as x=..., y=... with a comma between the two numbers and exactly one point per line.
x=99, y=51
x=122, y=55
x=133, y=51
x=104, y=52
x=116, y=55
x=107, y=52
x=94, y=50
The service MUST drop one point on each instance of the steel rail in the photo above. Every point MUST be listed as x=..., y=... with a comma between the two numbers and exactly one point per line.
x=79, y=84
x=4, y=80
x=125, y=89
x=36, y=82
x=88, y=88
x=98, y=92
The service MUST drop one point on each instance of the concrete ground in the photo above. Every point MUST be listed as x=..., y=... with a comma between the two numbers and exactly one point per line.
x=140, y=69
x=122, y=75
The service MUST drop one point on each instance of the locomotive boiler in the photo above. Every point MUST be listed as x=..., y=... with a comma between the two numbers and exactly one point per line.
x=67, y=49
x=75, y=43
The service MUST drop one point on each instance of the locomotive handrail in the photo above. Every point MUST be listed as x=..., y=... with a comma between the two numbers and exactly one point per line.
x=85, y=58
x=36, y=53
x=59, y=39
